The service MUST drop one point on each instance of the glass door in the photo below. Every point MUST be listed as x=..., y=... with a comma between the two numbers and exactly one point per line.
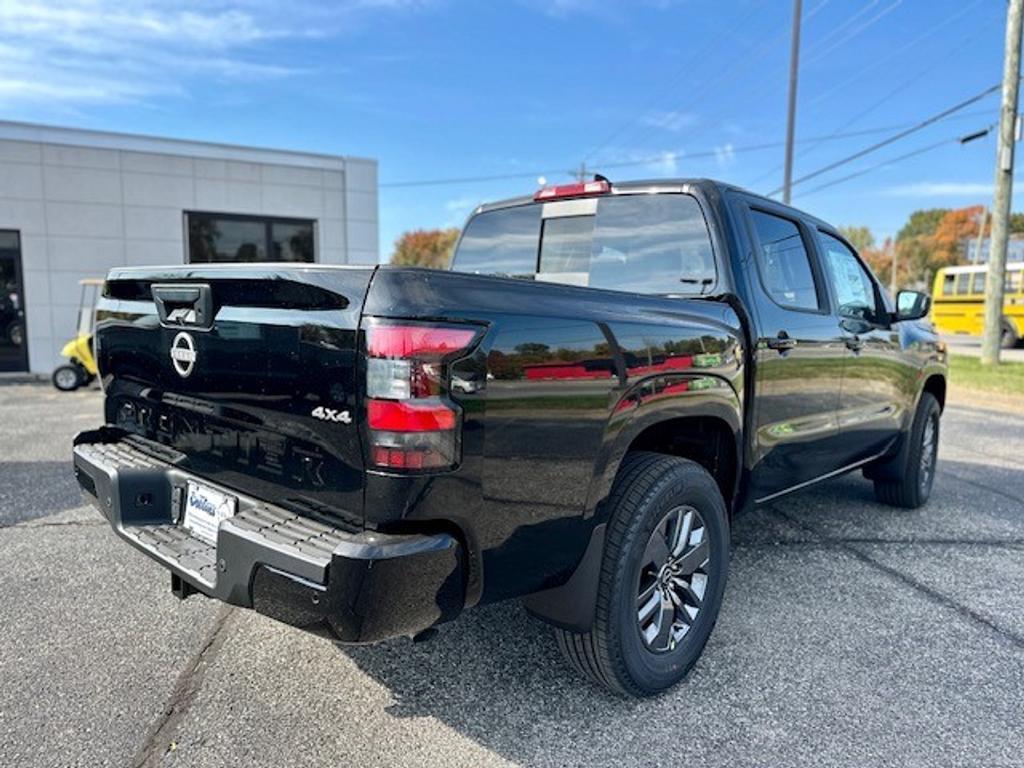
x=13, y=340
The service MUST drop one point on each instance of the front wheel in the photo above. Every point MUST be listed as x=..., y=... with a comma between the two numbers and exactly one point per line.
x=662, y=577
x=67, y=378
x=912, y=484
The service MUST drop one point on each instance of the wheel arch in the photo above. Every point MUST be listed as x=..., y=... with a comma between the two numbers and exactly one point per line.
x=655, y=430
x=935, y=385
x=704, y=425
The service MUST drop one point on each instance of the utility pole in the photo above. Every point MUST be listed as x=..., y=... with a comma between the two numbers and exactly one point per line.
x=794, y=69
x=1003, y=192
x=581, y=172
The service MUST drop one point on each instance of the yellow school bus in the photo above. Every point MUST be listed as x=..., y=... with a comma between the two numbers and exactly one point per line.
x=958, y=301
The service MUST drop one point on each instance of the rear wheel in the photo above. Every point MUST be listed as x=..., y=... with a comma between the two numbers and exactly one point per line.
x=67, y=378
x=662, y=577
x=912, y=484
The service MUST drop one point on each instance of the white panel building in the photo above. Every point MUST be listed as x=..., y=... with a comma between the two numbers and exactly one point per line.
x=74, y=203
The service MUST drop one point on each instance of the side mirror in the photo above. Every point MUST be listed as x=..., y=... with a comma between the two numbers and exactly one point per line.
x=911, y=305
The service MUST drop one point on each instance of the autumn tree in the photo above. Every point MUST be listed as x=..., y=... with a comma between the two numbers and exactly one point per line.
x=921, y=223
x=879, y=259
x=931, y=239
x=425, y=248
x=948, y=239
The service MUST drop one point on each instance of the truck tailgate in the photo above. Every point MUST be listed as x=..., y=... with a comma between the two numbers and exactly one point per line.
x=248, y=370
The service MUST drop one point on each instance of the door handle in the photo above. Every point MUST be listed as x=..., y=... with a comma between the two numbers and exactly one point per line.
x=854, y=343
x=782, y=342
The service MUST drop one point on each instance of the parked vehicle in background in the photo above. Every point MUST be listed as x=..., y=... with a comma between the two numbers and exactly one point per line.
x=572, y=416
x=958, y=301
x=12, y=317
x=80, y=369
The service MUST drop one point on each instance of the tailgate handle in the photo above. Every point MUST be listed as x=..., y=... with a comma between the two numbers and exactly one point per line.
x=181, y=304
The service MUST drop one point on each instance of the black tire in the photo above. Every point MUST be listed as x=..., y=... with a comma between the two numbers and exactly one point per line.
x=649, y=490
x=67, y=378
x=16, y=334
x=1008, y=338
x=912, y=482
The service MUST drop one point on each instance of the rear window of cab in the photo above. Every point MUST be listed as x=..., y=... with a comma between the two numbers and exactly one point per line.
x=645, y=243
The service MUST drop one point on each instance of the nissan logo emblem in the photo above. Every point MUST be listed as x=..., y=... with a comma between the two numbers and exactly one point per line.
x=183, y=354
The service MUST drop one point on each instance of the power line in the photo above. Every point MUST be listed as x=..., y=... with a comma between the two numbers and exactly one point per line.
x=946, y=55
x=828, y=43
x=819, y=54
x=841, y=27
x=710, y=43
x=902, y=134
x=815, y=142
x=892, y=160
x=719, y=79
x=734, y=72
x=894, y=53
x=648, y=160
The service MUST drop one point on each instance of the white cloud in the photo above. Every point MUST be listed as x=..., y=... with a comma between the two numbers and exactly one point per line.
x=671, y=120
x=458, y=210
x=666, y=163
x=725, y=155
x=607, y=9
x=939, y=189
x=108, y=51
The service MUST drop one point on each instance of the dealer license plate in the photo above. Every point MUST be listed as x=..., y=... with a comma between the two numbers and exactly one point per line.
x=204, y=510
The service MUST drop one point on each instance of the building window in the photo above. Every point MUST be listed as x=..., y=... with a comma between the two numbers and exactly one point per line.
x=219, y=237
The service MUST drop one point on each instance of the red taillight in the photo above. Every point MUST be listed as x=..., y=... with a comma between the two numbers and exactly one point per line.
x=410, y=415
x=416, y=340
x=579, y=189
x=412, y=425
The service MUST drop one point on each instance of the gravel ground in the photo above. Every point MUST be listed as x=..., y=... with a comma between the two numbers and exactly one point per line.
x=852, y=634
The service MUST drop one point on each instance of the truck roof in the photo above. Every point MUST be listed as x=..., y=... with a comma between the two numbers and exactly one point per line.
x=659, y=185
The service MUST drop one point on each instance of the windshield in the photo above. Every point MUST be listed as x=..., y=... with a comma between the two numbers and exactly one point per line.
x=651, y=243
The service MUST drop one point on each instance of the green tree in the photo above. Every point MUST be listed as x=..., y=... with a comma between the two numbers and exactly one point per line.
x=921, y=223
x=859, y=237
x=425, y=248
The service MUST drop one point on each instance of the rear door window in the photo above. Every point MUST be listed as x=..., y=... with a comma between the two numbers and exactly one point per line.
x=652, y=244
x=784, y=263
x=657, y=244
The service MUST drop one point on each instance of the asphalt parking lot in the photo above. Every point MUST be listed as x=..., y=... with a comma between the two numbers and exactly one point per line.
x=852, y=634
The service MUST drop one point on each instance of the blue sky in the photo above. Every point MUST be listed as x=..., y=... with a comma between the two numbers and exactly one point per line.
x=439, y=89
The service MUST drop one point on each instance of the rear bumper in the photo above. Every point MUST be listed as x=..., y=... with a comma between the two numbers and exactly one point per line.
x=358, y=587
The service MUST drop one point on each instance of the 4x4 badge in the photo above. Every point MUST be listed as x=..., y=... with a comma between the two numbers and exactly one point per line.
x=183, y=354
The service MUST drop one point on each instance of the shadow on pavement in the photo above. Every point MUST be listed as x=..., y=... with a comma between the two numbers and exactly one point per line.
x=497, y=677
x=34, y=489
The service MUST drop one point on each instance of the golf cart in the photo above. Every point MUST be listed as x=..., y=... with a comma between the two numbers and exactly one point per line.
x=81, y=366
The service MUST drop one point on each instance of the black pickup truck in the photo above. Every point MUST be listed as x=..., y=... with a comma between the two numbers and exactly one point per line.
x=572, y=416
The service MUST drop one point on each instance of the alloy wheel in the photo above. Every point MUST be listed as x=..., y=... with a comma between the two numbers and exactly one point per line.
x=929, y=452
x=673, y=579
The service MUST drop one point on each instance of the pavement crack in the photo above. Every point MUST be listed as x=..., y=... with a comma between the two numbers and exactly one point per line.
x=1011, y=543
x=59, y=524
x=929, y=592
x=186, y=687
